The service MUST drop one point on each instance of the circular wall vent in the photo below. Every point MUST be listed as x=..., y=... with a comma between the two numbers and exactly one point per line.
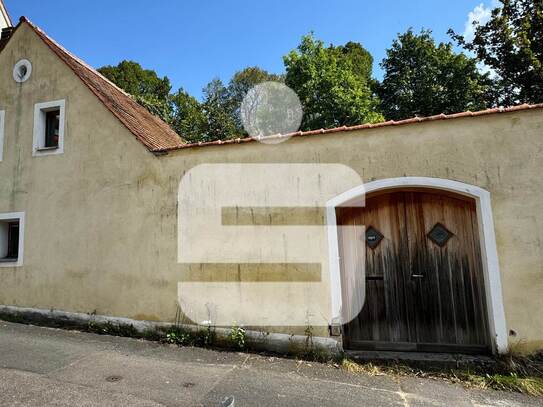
x=22, y=70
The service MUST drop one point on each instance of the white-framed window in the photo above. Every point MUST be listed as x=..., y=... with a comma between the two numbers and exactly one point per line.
x=12, y=226
x=49, y=118
x=2, y=125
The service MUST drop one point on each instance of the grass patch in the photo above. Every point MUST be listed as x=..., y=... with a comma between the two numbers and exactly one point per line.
x=365, y=368
x=512, y=382
x=523, y=380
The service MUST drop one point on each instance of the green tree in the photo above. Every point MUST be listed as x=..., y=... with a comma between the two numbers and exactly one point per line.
x=189, y=118
x=219, y=112
x=144, y=85
x=511, y=44
x=333, y=84
x=240, y=84
x=247, y=78
x=359, y=57
x=422, y=79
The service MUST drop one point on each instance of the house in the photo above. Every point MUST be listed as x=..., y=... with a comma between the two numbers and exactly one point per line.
x=421, y=235
x=5, y=20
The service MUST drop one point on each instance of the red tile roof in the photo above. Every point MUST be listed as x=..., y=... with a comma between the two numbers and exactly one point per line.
x=367, y=126
x=154, y=133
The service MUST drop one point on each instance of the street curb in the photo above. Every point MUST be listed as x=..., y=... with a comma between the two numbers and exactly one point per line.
x=259, y=341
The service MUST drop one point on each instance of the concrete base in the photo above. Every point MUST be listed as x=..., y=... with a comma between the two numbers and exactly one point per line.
x=441, y=360
x=259, y=341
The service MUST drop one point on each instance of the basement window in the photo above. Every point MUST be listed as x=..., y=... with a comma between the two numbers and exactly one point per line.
x=11, y=239
x=49, y=128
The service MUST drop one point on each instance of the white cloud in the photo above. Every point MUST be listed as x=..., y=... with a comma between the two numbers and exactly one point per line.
x=481, y=14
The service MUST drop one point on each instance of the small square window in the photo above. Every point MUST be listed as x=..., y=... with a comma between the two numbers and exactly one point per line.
x=440, y=235
x=11, y=239
x=373, y=237
x=49, y=128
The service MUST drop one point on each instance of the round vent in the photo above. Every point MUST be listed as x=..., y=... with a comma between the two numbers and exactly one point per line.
x=22, y=70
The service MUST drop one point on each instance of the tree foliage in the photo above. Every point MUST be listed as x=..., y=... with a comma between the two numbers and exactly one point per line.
x=218, y=109
x=336, y=87
x=422, y=78
x=333, y=84
x=145, y=85
x=359, y=58
x=217, y=117
x=511, y=44
x=188, y=119
x=241, y=83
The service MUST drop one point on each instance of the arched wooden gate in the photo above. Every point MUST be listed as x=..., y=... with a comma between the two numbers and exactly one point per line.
x=420, y=254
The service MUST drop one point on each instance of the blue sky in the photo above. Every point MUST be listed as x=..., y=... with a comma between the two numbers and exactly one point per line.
x=194, y=41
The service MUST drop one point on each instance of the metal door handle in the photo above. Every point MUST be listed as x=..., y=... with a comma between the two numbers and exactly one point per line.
x=417, y=275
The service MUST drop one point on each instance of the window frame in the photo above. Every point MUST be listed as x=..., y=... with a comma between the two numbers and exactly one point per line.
x=20, y=217
x=40, y=110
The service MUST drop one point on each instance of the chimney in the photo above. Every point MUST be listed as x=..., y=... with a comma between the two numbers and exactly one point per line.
x=6, y=33
x=5, y=36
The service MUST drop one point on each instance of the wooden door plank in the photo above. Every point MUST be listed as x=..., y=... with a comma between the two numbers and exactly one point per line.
x=445, y=307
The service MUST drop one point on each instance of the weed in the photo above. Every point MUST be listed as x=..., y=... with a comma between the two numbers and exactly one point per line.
x=237, y=337
x=308, y=336
x=179, y=337
x=205, y=337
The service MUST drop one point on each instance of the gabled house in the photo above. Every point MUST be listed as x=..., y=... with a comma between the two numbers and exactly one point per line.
x=421, y=235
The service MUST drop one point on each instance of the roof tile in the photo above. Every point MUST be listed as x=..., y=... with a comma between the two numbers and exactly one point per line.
x=413, y=120
x=154, y=133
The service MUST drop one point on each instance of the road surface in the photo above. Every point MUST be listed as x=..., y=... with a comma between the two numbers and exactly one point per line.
x=51, y=367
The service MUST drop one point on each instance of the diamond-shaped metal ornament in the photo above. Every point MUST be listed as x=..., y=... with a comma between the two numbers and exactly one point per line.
x=373, y=237
x=440, y=235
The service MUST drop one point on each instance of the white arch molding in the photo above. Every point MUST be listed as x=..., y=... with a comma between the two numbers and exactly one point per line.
x=489, y=253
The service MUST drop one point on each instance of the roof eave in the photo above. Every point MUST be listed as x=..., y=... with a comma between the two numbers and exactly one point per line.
x=366, y=126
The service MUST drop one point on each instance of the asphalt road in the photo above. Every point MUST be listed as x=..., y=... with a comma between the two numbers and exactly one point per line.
x=42, y=366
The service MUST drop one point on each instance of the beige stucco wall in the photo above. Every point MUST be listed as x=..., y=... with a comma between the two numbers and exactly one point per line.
x=101, y=219
x=89, y=210
x=500, y=153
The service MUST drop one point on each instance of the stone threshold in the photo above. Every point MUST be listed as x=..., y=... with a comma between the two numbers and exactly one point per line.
x=422, y=359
